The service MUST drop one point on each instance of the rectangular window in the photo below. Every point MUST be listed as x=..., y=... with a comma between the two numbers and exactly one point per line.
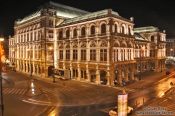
x=83, y=54
x=67, y=54
x=93, y=55
x=74, y=54
x=103, y=55
x=61, y=54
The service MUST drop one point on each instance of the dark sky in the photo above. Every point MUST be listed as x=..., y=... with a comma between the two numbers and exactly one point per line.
x=160, y=13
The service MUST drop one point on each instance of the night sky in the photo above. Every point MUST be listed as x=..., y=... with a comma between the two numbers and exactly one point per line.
x=160, y=13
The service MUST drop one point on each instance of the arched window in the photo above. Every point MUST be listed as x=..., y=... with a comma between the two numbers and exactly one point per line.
x=121, y=54
x=93, y=30
x=67, y=33
x=75, y=33
x=129, y=31
x=83, y=31
x=152, y=38
x=123, y=29
x=60, y=34
x=103, y=28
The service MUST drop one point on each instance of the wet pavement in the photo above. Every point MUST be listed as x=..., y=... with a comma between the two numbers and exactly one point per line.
x=73, y=98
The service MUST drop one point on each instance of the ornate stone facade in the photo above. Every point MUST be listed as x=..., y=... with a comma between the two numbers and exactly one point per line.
x=98, y=47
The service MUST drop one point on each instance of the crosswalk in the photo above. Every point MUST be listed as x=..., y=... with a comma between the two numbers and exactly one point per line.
x=14, y=91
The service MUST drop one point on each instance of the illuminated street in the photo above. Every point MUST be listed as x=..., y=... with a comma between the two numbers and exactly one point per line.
x=69, y=98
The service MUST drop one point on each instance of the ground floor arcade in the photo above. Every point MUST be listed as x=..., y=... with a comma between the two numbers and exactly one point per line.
x=113, y=74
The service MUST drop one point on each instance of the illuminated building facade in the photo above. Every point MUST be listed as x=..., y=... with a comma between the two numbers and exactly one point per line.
x=154, y=54
x=34, y=33
x=170, y=47
x=98, y=47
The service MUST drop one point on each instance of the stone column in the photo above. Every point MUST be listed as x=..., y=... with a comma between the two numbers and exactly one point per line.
x=33, y=68
x=79, y=72
x=120, y=76
x=157, y=66
x=111, y=77
x=88, y=73
x=97, y=76
x=126, y=74
x=98, y=55
x=23, y=66
x=132, y=72
x=108, y=77
x=26, y=67
x=71, y=71
x=37, y=70
x=119, y=54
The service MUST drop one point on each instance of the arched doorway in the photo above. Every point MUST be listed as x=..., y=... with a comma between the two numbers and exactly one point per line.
x=103, y=79
x=50, y=70
x=93, y=75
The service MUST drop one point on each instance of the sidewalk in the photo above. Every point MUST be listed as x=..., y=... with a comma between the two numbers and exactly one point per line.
x=148, y=78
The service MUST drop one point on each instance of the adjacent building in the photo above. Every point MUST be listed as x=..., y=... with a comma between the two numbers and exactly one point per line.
x=100, y=47
x=170, y=47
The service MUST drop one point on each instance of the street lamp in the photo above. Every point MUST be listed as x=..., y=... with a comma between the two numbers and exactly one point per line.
x=52, y=50
x=141, y=54
x=1, y=51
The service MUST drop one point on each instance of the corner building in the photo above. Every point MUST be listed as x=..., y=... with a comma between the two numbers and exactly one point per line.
x=99, y=47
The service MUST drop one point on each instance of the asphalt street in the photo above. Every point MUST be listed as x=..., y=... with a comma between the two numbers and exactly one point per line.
x=41, y=97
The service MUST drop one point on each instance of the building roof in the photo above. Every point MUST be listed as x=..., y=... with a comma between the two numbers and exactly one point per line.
x=31, y=16
x=67, y=11
x=146, y=29
x=90, y=16
x=61, y=11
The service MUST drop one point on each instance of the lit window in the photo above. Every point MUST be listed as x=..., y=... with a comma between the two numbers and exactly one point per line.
x=103, y=55
x=83, y=54
x=103, y=28
x=93, y=55
x=93, y=30
x=67, y=54
x=75, y=33
x=61, y=54
x=67, y=33
x=83, y=31
x=75, y=55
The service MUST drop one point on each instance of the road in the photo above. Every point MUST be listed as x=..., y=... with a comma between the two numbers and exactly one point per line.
x=23, y=94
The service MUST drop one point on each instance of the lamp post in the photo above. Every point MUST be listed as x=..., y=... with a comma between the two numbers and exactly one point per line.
x=141, y=54
x=2, y=104
x=52, y=50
